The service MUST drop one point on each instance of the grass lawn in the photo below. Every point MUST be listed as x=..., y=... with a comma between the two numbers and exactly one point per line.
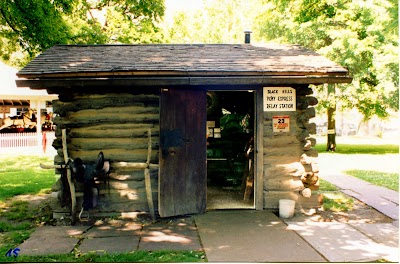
x=21, y=175
x=361, y=149
x=334, y=200
x=132, y=257
x=387, y=180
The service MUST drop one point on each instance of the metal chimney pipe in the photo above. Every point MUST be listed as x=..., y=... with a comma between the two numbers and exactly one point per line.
x=247, y=36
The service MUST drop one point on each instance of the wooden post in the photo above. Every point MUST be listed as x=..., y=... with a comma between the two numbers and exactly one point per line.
x=259, y=152
x=147, y=180
x=70, y=182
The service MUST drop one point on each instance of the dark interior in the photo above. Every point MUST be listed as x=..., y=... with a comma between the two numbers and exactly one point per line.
x=230, y=130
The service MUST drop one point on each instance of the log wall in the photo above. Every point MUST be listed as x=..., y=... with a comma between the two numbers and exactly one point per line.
x=116, y=124
x=289, y=164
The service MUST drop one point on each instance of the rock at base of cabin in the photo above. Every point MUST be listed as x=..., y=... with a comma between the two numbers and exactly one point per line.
x=309, y=178
x=306, y=192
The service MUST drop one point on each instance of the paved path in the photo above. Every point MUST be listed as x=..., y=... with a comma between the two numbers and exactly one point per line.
x=252, y=236
x=382, y=199
x=115, y=236
x=226, y=236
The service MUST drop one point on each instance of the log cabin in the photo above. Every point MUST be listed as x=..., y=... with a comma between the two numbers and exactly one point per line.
x=229, y=123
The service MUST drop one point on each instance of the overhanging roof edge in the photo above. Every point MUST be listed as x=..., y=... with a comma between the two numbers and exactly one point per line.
x=178, y=81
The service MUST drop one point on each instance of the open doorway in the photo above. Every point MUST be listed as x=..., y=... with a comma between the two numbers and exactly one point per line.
x=230, y=150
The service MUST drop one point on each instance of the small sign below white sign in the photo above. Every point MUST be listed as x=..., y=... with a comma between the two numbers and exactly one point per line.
x=281, y=124
x=279, y=99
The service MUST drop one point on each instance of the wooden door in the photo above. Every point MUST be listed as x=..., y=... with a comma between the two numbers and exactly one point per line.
x=182, y=178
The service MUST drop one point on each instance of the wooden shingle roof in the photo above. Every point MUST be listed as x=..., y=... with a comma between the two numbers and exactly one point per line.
x=204, y=64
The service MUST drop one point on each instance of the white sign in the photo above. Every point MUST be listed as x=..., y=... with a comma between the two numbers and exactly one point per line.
x=279, y=99
x=331, y=131
x=281, y=124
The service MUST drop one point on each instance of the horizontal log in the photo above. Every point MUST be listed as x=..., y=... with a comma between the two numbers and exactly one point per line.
x=276, y=152
x=134, y=165
x=286, y=183
x=129, y=186
x=126, y=174
x=52, y=166
x=115, y=155
x=111, y=143
x=130, y=110
x=294, y=169
x=81, y=121
x=279, y=161
x=115, y=131
x=282, y=141
x=103, y=101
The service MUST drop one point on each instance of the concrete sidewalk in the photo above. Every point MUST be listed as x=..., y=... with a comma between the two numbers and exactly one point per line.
x=260, y=236
x=226, y=236
x=251, y=236
x=113, y=236
x=382, y=199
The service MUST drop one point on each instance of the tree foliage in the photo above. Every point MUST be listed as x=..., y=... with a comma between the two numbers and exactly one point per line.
x=360, y=35
x=220, y=21
x=29, y=27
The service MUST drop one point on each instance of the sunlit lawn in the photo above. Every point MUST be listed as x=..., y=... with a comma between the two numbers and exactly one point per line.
x=361, y=149
x=384, y=173
x=131, y=257
x=334, y=200
x=22, y=175
x=387, y=180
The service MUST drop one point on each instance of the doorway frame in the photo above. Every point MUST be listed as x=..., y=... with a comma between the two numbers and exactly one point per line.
x=259, y=150
x=259, y=144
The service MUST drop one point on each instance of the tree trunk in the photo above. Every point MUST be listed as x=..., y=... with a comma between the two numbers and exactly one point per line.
x=331, y=141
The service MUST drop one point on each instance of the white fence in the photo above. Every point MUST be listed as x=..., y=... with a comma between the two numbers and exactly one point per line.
x=24, y=140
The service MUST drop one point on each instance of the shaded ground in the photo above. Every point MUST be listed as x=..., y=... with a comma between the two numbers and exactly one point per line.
x=361, y=213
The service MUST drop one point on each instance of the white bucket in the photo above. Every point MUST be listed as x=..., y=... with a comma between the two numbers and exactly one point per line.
x=286, y=208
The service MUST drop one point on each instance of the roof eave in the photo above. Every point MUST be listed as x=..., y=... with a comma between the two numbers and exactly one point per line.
x=264, y=80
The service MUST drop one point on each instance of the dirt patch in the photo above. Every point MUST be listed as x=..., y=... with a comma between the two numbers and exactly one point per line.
x=37, y=211
x=360, y=213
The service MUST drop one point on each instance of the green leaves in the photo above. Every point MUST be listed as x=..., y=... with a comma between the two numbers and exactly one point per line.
x=360, y=35
x=34, y=25
x=29, y=27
